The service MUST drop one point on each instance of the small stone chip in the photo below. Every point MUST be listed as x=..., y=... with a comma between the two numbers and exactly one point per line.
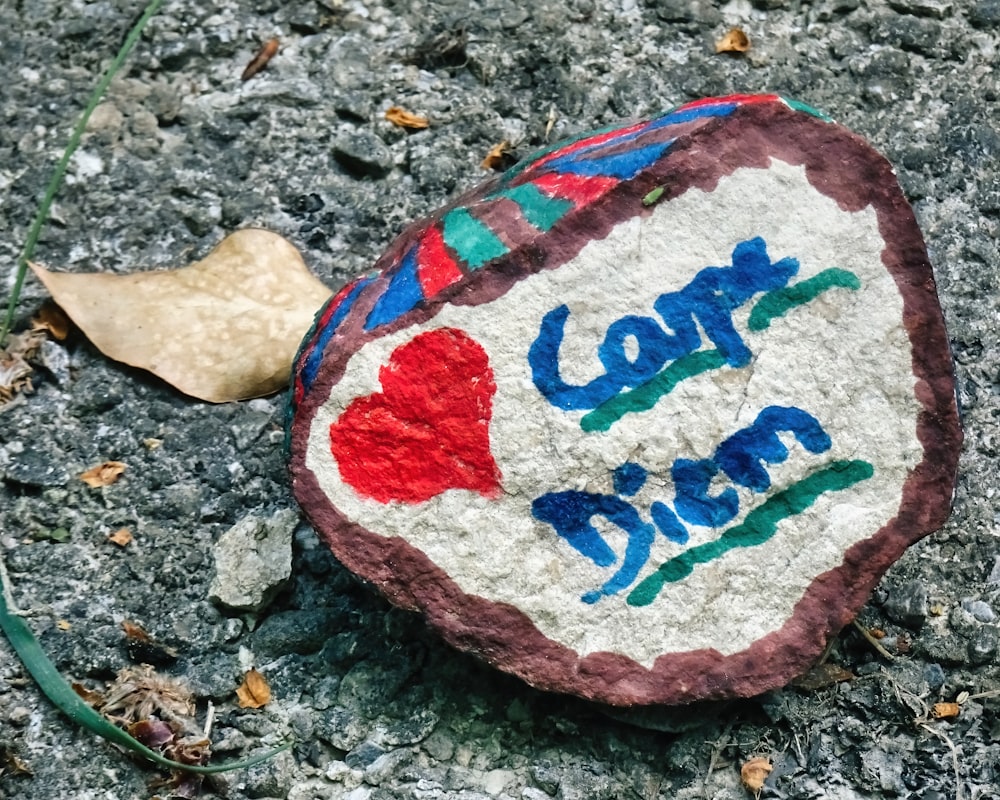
x=645, y=418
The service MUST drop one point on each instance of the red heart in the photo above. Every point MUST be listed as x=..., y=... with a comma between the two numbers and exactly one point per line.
x=428, y=429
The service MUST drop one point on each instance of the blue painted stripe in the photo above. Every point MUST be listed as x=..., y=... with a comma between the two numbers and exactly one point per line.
x=315, y=357
x=403, y=293
x=623, y=166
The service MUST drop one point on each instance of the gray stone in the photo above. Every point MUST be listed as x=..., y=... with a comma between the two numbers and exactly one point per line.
x=363, y=154
x=907, y=604
x=253, y=559
x=985, y=13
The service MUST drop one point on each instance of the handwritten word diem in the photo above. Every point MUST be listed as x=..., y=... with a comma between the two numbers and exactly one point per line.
x=665, y=357
x=741, y=457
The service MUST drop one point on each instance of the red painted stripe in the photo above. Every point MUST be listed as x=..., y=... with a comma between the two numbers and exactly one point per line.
x=742, y=99
x=578, y=188
x=588, y=141
x=436, y=268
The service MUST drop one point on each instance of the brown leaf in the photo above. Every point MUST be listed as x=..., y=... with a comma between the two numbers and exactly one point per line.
x=52, y=319
x=120, y=537
x=89, y=696
x=823, y=675
x=754, y=772
x=64, y=625
x=736, y=41
x=254, y=692
x=945, y=710
x=259, y=61
x=224, y=328
x=499, y=156
x=404, y=119
x=152, y=732
x=15, y=371
x=135, y=631
x=103, y=474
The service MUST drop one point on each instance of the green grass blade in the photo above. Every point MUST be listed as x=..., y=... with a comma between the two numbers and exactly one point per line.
x=57, y=176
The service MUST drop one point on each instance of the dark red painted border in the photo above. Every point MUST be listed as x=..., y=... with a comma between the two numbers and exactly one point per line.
x=840, y=165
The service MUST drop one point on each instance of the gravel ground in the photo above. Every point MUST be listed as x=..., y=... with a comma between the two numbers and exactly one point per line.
x=182, y=152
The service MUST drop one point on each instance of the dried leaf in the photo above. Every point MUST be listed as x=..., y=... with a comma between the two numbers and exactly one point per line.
x=754, y=772
x=51, y=319
x=823, y=675
x=945, y=710
x=15, y=371
x=103, y=474
x=135, y=631
x=259, y=61
x=143, y=648
x=64, y=625
x=88, y=695
x=499, y=157
x=736, y=41
x=152, y=732
x=12, y=763
x=254, y=692
x=224, y=328
x=137, y=693
x=404, y=119
x=120, y=537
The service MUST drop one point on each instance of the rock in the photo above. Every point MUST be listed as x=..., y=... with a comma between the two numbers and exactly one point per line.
x=253, y=559
x=363, y=154
x=907, y=605
x=640, y=420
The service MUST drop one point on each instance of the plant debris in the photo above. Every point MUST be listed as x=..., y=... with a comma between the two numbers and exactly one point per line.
x=103, y=474
x=754, y=772
x=52, y=320
x=268, y=51
x=15, y=371
x=500, y=157
x=224, y=328
x=402, y=118
x=735, y=41
x=121, y=537
x=139, y=693
x=254, y=691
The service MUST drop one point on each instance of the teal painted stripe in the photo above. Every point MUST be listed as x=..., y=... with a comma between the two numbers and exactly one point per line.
x=797, y=105
x=473, y=242
x=759, y=526
x=779, y=302
x=539, y=209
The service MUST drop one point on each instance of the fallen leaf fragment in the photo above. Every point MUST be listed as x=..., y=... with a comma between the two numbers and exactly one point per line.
x=138, y=693
x=143, y=648
x=259, y=61
x=88, y=695
x=254, y=691
x=12, y=763
x=224, y=328
x=15, y=371
x=64, y=625
x=103, y=474
x=151, y=732
x=52, y=320
x=736, y=41
x=120, y=537
x=404, y=119
x=754, y=772
x=945, y=710
x=499, y=156
x=822, y=676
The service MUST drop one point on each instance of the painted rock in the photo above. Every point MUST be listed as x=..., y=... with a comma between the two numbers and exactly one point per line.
x=645, y=418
